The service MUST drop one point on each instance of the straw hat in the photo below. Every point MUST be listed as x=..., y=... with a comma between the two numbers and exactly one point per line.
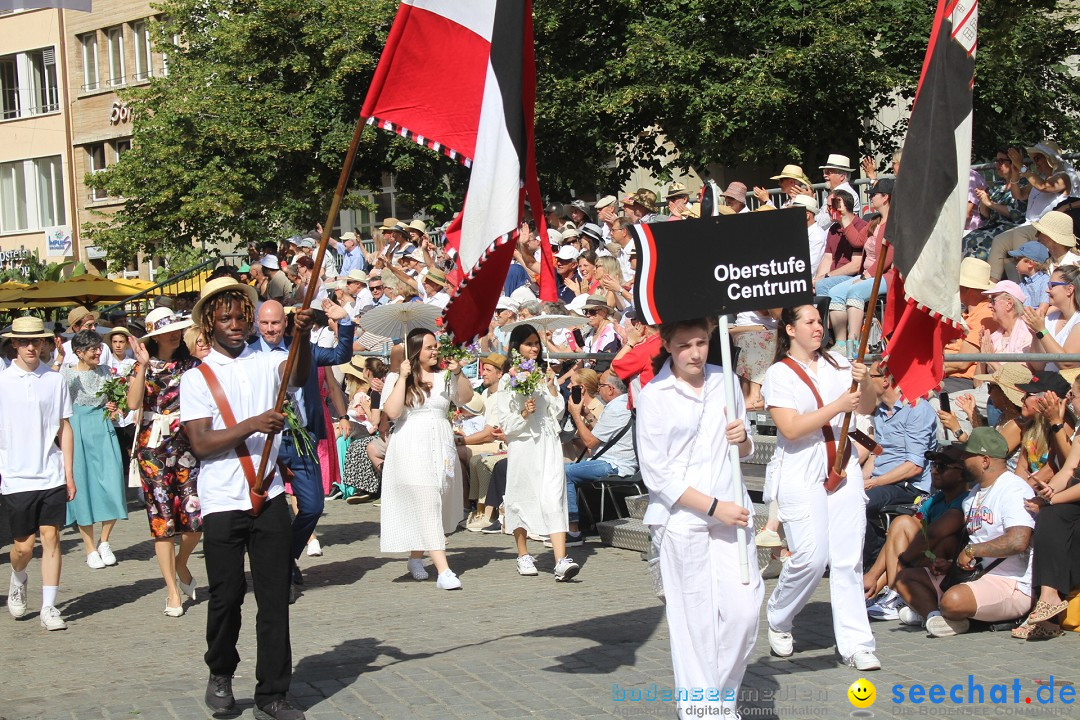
x=1058, y=227
x=596, y=301
x=1049, y=149
x=389, y=223
x=419, y=226
x=1007, y=377
x=837, y=162
x=808, y=203
x=794, y=172
x=163, y=320
x=975, y=273
x=118, y=330
x=495, y=360
x=78, y=313
x=1069, y=374
x=354, y=369
x=28, y=326
x=676, y=189
x=357, y=276
x=437, y=276
x=218, y=286
x=475, y=405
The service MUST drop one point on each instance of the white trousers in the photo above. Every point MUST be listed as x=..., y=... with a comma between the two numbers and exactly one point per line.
x=822, y=530
x=712, y=617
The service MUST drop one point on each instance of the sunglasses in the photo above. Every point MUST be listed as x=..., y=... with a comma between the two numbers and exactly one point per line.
x=1002, y=161
x=589, y=313
x=1058, y=283
x=942, y=466
x=375, y=287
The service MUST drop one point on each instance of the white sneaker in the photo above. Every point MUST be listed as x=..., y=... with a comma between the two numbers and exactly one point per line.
x=908, y=616
x=940, y=626
x=781, y=643
x=51, y=620
x=94, y=561
x=566, y=569
x=16, y=599
x=768, y=538
x=887, y=606
x=106, y=554
x=416, y=567
x=774, y=568
x=526, y=565
x=448, y=580
x=314, y=549
x=864, y=660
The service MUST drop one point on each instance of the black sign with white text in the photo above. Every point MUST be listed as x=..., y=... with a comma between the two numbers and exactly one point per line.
x=725, y=264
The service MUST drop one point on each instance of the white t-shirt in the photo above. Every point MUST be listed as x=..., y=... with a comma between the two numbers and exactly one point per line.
x=990, y=512
x=816, y=235
x=250, y=383
x=1061, y=335
x=804, y=461
x=1069, y=258
x=32, y=404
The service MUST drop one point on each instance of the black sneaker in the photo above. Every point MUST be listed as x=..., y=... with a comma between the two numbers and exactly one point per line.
x=297, y=576
x=219, y=696
x=280, y=709
x=493, y=529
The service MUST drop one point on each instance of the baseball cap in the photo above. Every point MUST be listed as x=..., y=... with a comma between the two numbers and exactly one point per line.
x=567, y=252
x=952, y=453
x=1006, y=286
x=1048, y=381
x=1033, y=250
x=986, y=441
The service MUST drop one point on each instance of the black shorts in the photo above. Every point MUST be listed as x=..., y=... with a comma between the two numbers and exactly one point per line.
x=27, y=511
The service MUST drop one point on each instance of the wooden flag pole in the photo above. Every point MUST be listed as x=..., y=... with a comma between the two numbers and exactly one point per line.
x=730, y=388
x=837, y=473
x=309, y=295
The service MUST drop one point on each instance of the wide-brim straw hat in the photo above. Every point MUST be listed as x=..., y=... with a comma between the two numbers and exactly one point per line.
x=354, y=369
x=975, y=273
x=1058, y=227
x=389, y=223
x=78, y=313
x=109, y=332
x=596, y=301
x=419, y=226
x=1049, y=149
x=1007, y=377
x=28, y=326
x=218, y=286
x=794, y=172
x=475, y=405
x=163, y=320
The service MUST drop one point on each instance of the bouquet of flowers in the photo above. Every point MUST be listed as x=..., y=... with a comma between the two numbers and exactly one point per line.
x=300, y=436
x=449, y=351
x=526, y=377
x=115, y=390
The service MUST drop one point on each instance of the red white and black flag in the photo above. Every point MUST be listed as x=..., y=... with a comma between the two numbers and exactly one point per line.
x=460, y=78
x=928, y=204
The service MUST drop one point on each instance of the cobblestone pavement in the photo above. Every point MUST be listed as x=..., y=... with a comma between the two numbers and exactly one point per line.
x=369, y=642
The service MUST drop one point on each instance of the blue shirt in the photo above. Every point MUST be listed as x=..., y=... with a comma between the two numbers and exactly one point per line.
x=516, y=277
x=935, y=506
x=905, y=432
x=1035, y=288
x=353, y=261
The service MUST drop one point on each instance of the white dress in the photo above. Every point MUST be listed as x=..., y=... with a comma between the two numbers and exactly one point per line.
x=421, y=487
x=535, y=497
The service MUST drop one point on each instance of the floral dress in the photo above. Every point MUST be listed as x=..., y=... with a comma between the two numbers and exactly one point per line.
x=167, y=466
x=977, y=242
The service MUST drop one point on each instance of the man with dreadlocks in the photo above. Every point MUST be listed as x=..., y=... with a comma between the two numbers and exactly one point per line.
x=249, y=383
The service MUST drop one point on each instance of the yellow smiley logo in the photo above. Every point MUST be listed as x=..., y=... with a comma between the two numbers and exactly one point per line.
x=862, y=693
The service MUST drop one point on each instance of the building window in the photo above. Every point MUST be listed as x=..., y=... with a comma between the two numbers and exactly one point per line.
x=28, y=83
x=90, y=61
x=116, y=55
x=173, y=46
x=143, y=68
x=121, y=147
x=31, y=194
x=95, y=163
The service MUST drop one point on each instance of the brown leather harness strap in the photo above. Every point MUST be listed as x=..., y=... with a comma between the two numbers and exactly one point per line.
x=827, y=428
x=241, y=448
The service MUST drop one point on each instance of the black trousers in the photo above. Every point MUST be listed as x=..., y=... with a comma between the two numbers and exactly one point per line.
x=1055, y=560
x=497, y=486
x=267, y=540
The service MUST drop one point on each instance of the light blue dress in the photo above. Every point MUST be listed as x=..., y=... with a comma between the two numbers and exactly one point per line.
x=98, y=468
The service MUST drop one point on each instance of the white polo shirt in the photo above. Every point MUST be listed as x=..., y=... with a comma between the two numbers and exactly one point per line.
x=32, y=404
x=250, y=383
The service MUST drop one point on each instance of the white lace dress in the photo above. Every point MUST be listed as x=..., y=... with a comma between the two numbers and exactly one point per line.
x=535, y=496
x=421, y=485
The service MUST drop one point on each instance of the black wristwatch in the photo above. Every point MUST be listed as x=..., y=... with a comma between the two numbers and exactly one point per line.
x=1057, y=428
x=1041, y=334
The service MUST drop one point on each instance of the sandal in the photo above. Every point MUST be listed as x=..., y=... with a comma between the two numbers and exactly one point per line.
x=1045, y=611
x=1044, y=631
x=1022, y=632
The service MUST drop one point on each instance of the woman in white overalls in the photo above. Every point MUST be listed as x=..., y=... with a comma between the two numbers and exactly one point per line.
x=823, y=529
x=683, y=438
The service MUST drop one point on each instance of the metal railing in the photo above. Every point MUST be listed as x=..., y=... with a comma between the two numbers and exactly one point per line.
x=188, y=280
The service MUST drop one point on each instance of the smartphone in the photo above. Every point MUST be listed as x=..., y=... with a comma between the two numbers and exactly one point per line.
x=579, y=338
x=575, y=394
x=944, y=400
x=375, y=396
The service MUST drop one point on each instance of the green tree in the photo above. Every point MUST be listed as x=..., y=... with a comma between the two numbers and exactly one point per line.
x=246, y=136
